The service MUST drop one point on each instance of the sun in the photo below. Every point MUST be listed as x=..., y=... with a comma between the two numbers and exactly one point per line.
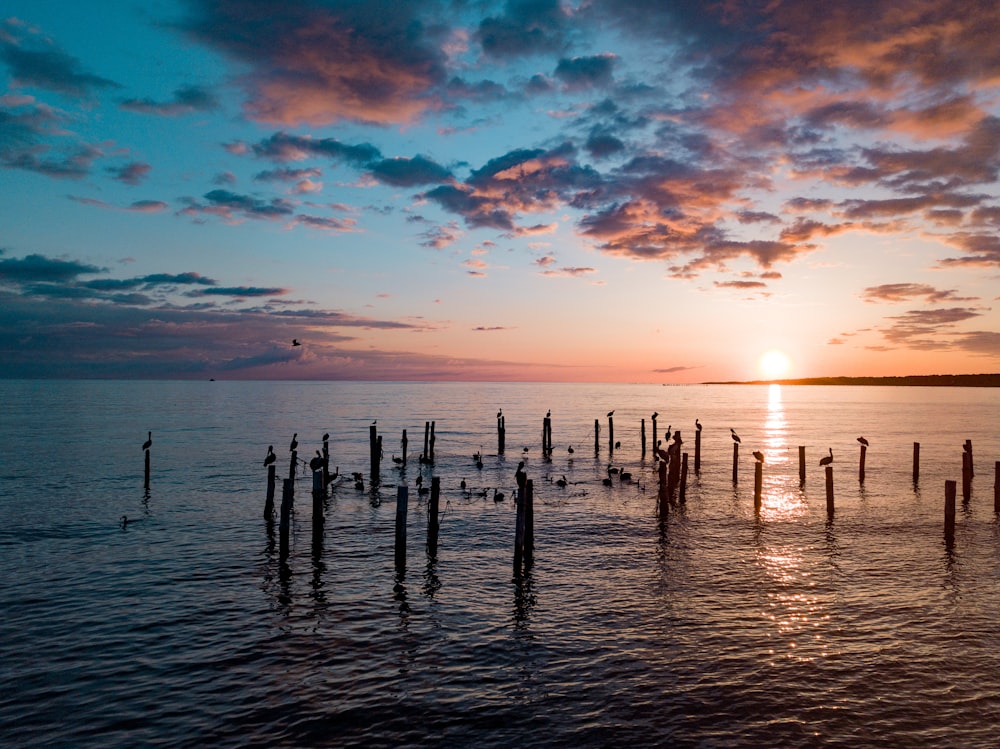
x=774, y=364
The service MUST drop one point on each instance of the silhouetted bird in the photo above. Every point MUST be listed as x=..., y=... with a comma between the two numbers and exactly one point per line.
x=828, y=459
x=655, y=414
x=607, y=481
x=611, y=413
x=420, y=480
x=271, y=457
x=498, y=497
x=562, y=481
x=697, y=425
x=548, y=413
x=397, y=461
x=326, y=436
x=295, y=442
x=612, y=470
x=666, y=434
x=295, y=342
x=499, y=413
x=624, y=475
x=736, y=437
x=149, y=441
x=570, y=449
x=463, y=485
x=758, y=455
x=863, y=441
x=524, y=450
x=316, y=463
x=618, y=445
x=359, y=485
x=423, y=489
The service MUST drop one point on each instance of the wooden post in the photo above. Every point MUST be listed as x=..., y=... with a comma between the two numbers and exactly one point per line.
x=968, y=449
x=373, y=452
x=402, y=501
x=736, y=462
x=682, y=497
x=656, y=455
x=292, y=463
x=501, y=435
x=433, y=525
x=427, y=439
x=145, y=484
x=326, y=462
x=269, y=501
x=431, y=454
x=404, y=443
x=861, y=465
x=318, y=482
x=996, y=486
x=319, y=494
x=966, y=476
x=611, y=435
x=674, y=469
x=949, y=510
x=758, y=483
x=287, y=494
x=642, y=432
x=597, y=437
x=519, y=529
x=829, y=490
x=916, y=463
x=802, y=464
x=661, y=490
x=529, y=522
x=697, y=450
x=547, y=437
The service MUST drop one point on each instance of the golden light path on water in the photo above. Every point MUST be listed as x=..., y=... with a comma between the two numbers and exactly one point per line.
x=795, y=611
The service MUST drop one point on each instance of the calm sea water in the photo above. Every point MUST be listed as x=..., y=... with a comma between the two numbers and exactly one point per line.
x=719, y=627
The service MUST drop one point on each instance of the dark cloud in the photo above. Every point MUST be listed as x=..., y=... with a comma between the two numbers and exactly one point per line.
x=283, y=147
x=287, y=175
x=132, y=173
x=672, y=370
x=35, y=268
x=240, y=291
x=586, y=72
x=526, y=27
x=186, y=100
x=230, y=205
x=602, y=145
x=927, y=329
x=981, y=250
x=478, y=211
x=402, y=172
x=35, y=61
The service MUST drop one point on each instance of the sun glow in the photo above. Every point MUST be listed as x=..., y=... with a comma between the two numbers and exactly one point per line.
x=773, y=365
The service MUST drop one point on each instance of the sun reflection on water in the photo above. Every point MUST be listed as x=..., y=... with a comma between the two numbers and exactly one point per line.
x=781, y=496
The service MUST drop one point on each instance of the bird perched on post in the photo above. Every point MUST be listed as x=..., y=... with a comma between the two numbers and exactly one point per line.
x=828, y=459
x=697, y=425
x=295, y=442
x=863, y=441
x=758, y=455
x=316, y=463
x=149, y=441
x=270, y=457
x=326, y=436
x=736, y=437
x=611, y=413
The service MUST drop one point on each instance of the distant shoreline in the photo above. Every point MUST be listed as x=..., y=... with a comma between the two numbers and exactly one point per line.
x=968, y=380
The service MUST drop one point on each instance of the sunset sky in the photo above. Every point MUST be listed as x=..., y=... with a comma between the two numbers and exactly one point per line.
x=584, y=190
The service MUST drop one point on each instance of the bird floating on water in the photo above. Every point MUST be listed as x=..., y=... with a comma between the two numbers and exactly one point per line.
x=562, y=481
x=736, y=437
x=149, y=441
x=863, y=441
x=270, y=457
x=624, y=475
x=498, y=497
x=295, y=342
x=758, y=455
x=570, y=449
x=828, y=459
x=397, y=461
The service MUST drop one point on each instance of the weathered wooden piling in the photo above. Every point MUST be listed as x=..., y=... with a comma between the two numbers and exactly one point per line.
x=433, y=524
x=373, y=452
x=269, y=500
x=145, y=482
x=404, y=444
x=519, y=523
x=642, y=437
x=292, y=464
x=326, y=460
x=682, y=495
x=966, y=476
x=547, y=437
x=829, y=490
x=674, y=467
x=949, y=510
x=736, y=462
x=317, y=486
x=802, y=464
x=402, y=502
x=861, y=464
x=501, y=434
x=916, y=463
x=318, y=495
x=430, y=455
x=968, y=449
x=285, y=521
x=661, y=490
x=758, y=483
x=697, y=449
x=611, y=434
x=529, y=522
x=996, y=486
x=426, y=454
x=597, y=438
x=656, y=455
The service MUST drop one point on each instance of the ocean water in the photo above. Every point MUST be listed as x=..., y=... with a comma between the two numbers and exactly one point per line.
x=714, y=625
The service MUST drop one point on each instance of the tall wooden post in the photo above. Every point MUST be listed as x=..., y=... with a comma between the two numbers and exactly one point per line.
x=145, y=483
x=829, y=490
x=431, y=454
x=968, y=449
x=966, y=476
x=916, y=463
x=611, y=435
x=402, y=502
x=642, y=432
x=501, y=435
x=949, y=510
x=287, y=493
x=519, y=529
x=861, y=465
x=547, y=437
x=656, y=455
x=318, y=495
x=403, y=446
x=996, y=486
x=326, y=462
x=529, y=522
x=433, y=524
x=697, y=450
x=373, y=452
x=802, y=464
x=269, y=501
x=682, y=496
x=758, y=483
x=292, y=463
x=736, y=462
x=427, y=439
x=597, y=438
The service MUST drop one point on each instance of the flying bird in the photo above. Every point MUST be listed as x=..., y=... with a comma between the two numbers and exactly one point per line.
x=828, y=459
x=270, y=457
x=758, y=455
x=295, y=342
x=863, y=441
x=149, y=441
x=736, y=437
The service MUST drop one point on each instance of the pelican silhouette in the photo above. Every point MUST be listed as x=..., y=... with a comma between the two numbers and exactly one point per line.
x=149, y=441
x=562, y=481
x=863, y=441
x=499, y=413
x=497, y=497
x=758, y=455
x=295, y=442
x=624, y=475
x=397, y=461
x=666, y=434
x=697, y=425
x=570, y=449
x=316, y=463
x=828, y=459
x=548, y=413
x=271, y=457
x=736, y=437
x=655, y=414
x=295, y=342
x=326, y=436
x=611, y=413
x=607, y=481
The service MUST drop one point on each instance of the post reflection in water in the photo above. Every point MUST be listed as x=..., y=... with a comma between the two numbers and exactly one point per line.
x=524, y=600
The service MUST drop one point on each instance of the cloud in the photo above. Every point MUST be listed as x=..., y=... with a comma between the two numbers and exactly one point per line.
x=132, y=173
x=981, y=250
x=231, y=206
x=586, y=72
x=282, y=147
x=138, y=206
x=899, y=292
x=186, y=99
x=403, y=172
x=34, y=268
x=36, y=61
x=525, y=28
x=287, y=175
x=568, y=271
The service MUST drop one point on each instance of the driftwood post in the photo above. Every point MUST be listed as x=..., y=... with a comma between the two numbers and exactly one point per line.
x=968, y=449
x=829, y=490
x=916, y=463
x=642, y=432
x=736, y=462
x=292, y=463
x=597, y=438
x=402, y=501
x=145, y=447
x=861, y=465
x=758, y=482
x=547, y=437
x=287, y=493
x=433, y=525
x=949, y=510
x=661, y=490
x=326, y=460
x=682, y=497
x=802, y=464
x=519, y=529
x=966, y=476
x=269, y=501
x=373, y=451
x=319, y=494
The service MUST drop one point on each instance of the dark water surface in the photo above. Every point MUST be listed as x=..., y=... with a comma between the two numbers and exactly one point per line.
x=724, y=627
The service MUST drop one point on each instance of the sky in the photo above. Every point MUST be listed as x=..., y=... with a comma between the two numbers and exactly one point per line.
x=532, y=190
